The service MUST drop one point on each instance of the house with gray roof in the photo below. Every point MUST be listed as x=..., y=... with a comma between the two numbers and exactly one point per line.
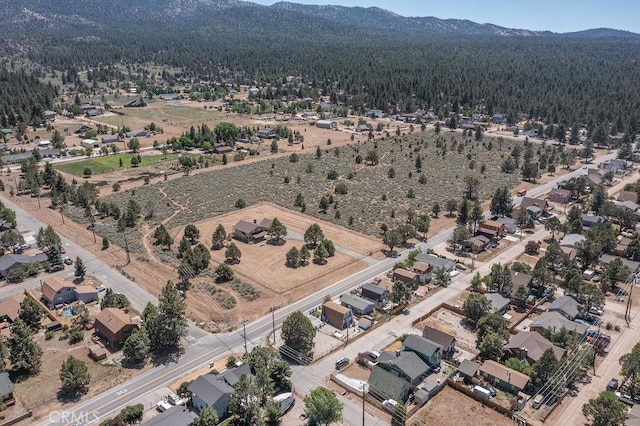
x=468, y=369
x=11, y=261
x=499, y=303
x=588, y=221
x=214, y=390
x=554, y=322
x=631, y=265
x=405, y=364
x=428, y=351
x=435, y=261
x=447, y=341
x=138, y=134
x=570, y=240
x=375, y=293
x=358, y=305
x=110, y=139
x=174, y=416
x=6, y=389
x=567, y=306
x=530, y=345
x=385, y=385
x=510, y=224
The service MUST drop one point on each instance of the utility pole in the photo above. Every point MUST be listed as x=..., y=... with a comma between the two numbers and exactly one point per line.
x=61, y=214
x=363, y=391
x=126, y=249
x=244, y=334
x=273, y=323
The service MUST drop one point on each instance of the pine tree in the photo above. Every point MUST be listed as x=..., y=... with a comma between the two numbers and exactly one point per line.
x=74, y=375
x=81, y=270
x=24, y=352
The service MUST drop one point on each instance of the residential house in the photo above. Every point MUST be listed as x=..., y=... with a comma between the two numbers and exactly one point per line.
x=428, y=351
x=498, y=119
x=6, y=389
x=214, y=390
x=110, y=139
x=223, y=149
x=567, y=306
x=336, y=315
x=11, y=261
x=250, y=232
x=174, y=416
x=520, y=279
x=86, y=293
x=9, y=308
x=628, y=205
x=363, y=128
x=358, y=305
x=375, y=293
x=631, y=265
x=492, y=229
x=622, y=246
x=535, y=207
x=386, y=385
x=407, y=277
x=114, y=325
x=406, y=365
x=588, y=221
x=499, y=303
x=424, y=271
x=628, y=196
x=468, y=370
x=56, y=292
x=595, y=177
x=510, y=224
x=554, y=322
x=530, y=345
x=570, y=240
x=504, y=378
x=476, y=244
x=559, y=195
x=49, y=115
x=447, y=341
x=435, y=261
x=267, y=133
x=327, y=124
x=616, y=166
x=90, y=143
x=138, y=134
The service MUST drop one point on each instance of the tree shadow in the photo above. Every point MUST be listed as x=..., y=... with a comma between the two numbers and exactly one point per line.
x=66, y=396
x=166, y=356
x=133, y=365
x=319, y=261
x=276, y=241
x=232, y=261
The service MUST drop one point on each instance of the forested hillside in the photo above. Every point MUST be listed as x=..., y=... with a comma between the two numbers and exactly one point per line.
x=23, y=99
x=590, y=78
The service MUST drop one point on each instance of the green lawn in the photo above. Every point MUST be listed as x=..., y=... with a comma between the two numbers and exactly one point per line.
x=110, y=163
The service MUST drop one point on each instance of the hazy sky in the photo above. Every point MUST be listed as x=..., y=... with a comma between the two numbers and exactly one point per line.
x=552, y=15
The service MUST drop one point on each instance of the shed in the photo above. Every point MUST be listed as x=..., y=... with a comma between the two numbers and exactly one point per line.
x=326, y=124
x=53, y=326
x=97, y=352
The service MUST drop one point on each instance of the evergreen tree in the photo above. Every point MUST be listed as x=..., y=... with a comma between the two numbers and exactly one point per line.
x=74, y=375
x=170, y=325
x=31, y=313
x=81, y=270
x=24, y=352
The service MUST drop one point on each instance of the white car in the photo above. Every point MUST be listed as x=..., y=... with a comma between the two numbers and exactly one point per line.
x=175, y=399
x=390, y=403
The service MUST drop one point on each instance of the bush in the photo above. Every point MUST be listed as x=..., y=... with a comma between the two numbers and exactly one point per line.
x=245, y=290
x=76, y=337
x=48, y=335
x=341, y=188
x=332, y=175
x=609, y=326
x=225, y=300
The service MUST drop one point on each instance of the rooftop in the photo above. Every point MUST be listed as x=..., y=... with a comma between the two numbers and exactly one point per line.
x=505, y=374
x=534, y=343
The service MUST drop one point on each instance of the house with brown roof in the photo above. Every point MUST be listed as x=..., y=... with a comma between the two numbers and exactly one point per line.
x=114, y=325
x=424, y=271
x=9, y=308
x=251, y=232
x=447, y=341
x=628, y=196
x=336, y=315
x=559, y=195
x=407, y=277
x=492, y=229
x=530, y=345
x=503, y=377
x=476, y=244
x=535, y=207
x=55, y=291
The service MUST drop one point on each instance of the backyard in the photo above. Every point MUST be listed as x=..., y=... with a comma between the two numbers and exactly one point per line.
x=110, y=163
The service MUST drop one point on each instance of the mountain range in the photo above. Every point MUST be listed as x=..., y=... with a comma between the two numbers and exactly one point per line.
x=94, y=15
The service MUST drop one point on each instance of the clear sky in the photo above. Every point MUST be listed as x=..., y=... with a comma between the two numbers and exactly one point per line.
x=553, y=15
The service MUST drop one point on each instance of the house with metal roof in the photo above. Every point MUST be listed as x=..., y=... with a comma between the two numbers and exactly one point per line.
x=358, y=305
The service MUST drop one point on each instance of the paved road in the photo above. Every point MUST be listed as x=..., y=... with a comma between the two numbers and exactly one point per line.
x=205, y=348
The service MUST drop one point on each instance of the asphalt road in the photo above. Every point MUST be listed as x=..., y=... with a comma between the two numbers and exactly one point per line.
x=202, y=348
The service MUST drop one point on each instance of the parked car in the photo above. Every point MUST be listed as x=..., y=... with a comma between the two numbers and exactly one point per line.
x=163, y=406
x=596, y=311
x=341, y=363
x=56, y=267
x=67, y=260
x=174, y=399
x=625, y=398
x=613, y=384
x=101, y=288
x=390, y=403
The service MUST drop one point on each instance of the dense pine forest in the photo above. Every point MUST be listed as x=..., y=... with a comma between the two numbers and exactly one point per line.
x=561, y=80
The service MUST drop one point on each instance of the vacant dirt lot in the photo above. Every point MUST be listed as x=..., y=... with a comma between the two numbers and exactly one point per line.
x=453, y=408
x=454, y=324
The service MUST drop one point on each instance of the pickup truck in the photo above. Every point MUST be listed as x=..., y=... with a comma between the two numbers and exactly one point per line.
x=163, y=406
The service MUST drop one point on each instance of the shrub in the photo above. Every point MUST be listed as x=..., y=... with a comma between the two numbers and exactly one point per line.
x=48, y=335
x=245, y=290
x=332, y=175
x=75, y=337
x=225, y=300
x=341, y=188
